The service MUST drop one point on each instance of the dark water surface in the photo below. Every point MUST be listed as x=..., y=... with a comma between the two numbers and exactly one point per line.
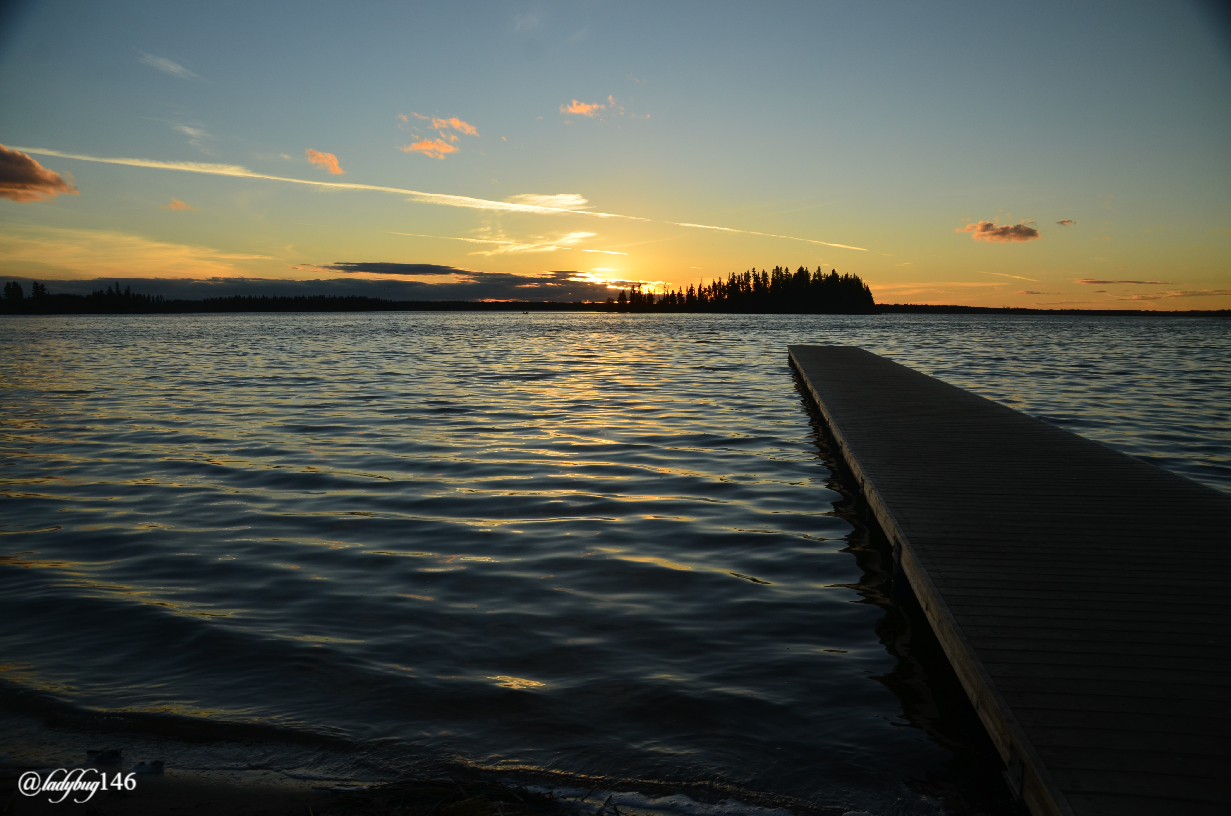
x=596, y=544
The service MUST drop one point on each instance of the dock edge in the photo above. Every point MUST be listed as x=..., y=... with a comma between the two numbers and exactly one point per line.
x=1025, y=773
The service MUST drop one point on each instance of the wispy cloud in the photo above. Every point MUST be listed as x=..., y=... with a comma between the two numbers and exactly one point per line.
x=237, y=171
x=582, y=108
x=196, y=136
x=766, y=234
x=384, y=268
x=612, y=107
x=564, y=201
x=453, y=123
x=435, y=148
x=411, y=284
x=454, y=238
x=89, y=253
x=1067, y=222
x=1032, y=292
x=24, y=180
x=441, y=199
x=1180, y=294
x=167, y=66
x=325, y=160
x=178, y=205
x=446, y=138
x=506, y=246
x=1001, y=234
x=930, y=285
x=1006, y=275
x=1098, y=282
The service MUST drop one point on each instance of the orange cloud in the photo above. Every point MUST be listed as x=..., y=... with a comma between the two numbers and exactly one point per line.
x=582, y=108
x=176, y=204
x=453, y=123
x=24, y=180
x=326, y=160
x=987, y=231
x=1098, y=282
x=444, y=142
x=436, y=148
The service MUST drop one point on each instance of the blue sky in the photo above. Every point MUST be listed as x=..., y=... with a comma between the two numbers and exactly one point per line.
x=886, y=128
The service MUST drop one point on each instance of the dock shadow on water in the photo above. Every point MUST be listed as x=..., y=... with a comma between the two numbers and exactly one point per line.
x=932, y=697
x=587, y=553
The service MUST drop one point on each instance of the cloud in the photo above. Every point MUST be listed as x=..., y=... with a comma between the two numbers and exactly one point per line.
x=1032, y=292
x=1067, y=222
x=929, y=285
x=441, y=199
x=445, y=140
x=1006, y=275
x=504, y=247
x=196, y=136
x=1180, y=294
x=987, y=231
x=1097, y=282
x=22, y=179
x=176, y=204
x=234, y=170
x=558, y=285
x=326, y=160
x=453, y=123
x=167, y=66
x=582, y=108
x=78, y=253
x=520, y=246
x=766, y=234
x=564, y=201
x=612, y=107
x=555, y=285
x=436, y=148
x=388, y=268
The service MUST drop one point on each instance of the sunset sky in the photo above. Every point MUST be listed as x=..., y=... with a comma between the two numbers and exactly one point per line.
x=1050, y=155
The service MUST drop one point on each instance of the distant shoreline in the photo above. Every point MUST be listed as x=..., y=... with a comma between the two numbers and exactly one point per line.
x=84, y=305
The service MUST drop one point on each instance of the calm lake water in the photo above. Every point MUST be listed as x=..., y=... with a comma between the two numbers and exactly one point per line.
x=600, y=545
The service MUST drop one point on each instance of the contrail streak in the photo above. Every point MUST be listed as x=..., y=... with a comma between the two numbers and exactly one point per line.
x=518, y=246
x=767, y=235
x=443, y=199
x=237, y=171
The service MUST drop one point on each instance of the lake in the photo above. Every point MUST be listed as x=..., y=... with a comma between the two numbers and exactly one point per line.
x=573, y=547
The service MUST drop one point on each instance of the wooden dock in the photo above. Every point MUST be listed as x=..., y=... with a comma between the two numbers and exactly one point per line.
x=1083, y=596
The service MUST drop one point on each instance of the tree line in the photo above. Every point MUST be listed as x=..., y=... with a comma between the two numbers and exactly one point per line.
x=779, y=291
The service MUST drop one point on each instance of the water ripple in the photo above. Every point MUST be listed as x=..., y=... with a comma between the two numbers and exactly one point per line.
x=594, y=543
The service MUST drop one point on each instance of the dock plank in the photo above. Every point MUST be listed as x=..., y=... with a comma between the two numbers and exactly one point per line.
x=1083, y=596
